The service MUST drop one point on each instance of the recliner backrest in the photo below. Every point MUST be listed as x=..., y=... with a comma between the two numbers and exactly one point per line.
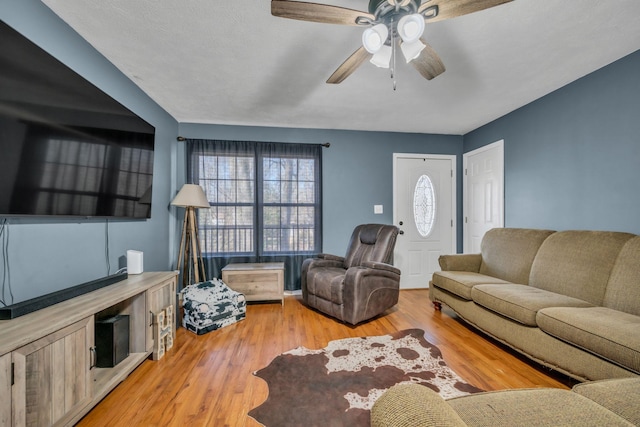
x=371, y=242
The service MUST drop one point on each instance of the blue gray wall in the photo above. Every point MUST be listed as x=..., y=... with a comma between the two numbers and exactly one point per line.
x=357, y=169
x=48, y=255
x=572, y=158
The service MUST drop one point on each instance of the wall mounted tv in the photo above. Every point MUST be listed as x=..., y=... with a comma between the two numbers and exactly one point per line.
x=66, y=147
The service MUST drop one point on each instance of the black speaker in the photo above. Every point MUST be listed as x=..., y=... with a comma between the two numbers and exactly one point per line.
x=112, y=340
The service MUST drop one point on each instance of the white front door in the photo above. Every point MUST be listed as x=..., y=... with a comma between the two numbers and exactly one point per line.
x=483, y=199
x=424, y=210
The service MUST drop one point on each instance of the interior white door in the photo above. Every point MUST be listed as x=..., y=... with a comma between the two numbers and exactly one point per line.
x=483, y=194
x=423, y=209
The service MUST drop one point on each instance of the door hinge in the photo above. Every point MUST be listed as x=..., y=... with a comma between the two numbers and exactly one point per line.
x=451, y=173
x=465, y=171
x=13, y=378
x=452, y=223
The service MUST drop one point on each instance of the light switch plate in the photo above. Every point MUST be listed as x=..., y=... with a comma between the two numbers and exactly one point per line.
x=377, y=209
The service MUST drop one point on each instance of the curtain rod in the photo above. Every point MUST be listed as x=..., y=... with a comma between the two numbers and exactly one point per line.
x=325, y=144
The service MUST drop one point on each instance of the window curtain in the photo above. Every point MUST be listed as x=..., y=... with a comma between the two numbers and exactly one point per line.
x=266, y=203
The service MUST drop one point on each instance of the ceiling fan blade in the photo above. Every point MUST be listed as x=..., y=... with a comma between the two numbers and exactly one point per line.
x=349, y=66
x=428, y=63
x=452, y=8
x=315, y=12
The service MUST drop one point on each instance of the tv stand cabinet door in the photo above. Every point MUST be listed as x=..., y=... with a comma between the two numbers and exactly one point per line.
x=52, y=376
x=5, y=389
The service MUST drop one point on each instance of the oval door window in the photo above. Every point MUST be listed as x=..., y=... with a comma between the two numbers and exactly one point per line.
x=424, y=205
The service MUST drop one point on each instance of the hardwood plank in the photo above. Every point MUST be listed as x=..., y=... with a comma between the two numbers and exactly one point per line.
x=207, y=380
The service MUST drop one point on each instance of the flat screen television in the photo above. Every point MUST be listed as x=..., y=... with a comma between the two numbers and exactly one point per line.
x=67, y=148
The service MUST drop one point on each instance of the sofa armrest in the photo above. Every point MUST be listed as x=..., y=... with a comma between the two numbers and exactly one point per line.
x=460, y=262
x=381, y=266
x=413, y=405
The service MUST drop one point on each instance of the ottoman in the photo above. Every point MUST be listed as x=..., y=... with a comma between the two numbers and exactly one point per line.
x=211, y=305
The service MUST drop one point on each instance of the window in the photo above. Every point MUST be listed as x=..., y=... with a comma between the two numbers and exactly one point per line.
x=265, y=197
x=424, y=205
x=229, y=183
x=289, y=204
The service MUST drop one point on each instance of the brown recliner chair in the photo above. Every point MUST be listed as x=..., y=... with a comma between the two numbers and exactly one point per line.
x=359, y=286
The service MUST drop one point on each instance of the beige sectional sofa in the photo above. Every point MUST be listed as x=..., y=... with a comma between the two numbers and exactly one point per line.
x=569, y=300
x=599, y=403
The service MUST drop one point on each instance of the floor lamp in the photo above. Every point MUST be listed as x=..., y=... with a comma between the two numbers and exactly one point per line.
x=190, y=197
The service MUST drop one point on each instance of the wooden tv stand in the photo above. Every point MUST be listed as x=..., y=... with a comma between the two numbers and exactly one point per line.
x=47, y=358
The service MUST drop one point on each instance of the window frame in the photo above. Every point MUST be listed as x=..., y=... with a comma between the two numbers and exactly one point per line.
x=258, y=155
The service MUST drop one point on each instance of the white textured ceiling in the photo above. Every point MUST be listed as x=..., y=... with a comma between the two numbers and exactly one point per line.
x=232, y=62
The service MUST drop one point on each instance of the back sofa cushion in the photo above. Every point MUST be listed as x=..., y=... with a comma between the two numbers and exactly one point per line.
x=507, y=253
x=577, y=263
x=623, y=289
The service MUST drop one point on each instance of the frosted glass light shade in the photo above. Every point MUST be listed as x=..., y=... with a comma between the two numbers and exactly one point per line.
x=382, y=57
x=374, y=38
x=191, y=195
x=412, y=50
x=411, y=27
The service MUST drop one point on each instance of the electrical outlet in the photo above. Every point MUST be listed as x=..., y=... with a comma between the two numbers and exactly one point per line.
x=377, y=209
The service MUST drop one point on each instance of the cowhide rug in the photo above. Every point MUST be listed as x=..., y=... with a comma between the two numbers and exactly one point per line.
x=337, y=385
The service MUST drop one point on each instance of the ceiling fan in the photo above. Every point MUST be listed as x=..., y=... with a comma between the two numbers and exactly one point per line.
x=390, y=24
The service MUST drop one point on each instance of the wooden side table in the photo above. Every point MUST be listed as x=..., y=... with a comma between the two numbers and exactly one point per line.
x=257, y=281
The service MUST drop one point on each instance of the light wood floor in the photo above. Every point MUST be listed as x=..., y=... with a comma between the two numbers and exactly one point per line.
x=207, y=380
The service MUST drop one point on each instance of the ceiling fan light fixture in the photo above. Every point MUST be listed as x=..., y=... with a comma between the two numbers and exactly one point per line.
x=411, y=27
x=412, y=50
x=382, y=58
x=373, y=38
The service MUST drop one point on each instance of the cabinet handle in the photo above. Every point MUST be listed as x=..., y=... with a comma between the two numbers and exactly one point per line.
x=93, y=358
x=150, y=318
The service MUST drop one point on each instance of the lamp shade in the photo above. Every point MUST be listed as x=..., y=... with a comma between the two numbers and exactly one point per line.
x=382, y=57
x=412, y=50
x=191, y=195
x=411, y=27
x=374, y=38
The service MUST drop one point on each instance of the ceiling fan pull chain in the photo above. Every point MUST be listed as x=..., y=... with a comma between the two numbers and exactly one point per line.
x=393, y=54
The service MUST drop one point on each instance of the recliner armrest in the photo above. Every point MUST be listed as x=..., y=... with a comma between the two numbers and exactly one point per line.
x=323, y=261
x=331, y=257
x=460, y=262
x=381, y=266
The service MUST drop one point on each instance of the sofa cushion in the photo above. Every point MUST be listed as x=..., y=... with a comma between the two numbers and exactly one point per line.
x=611, y=334
x=461, y=282
x=533, y=407
x=507, y=253
x=615, y=395
x=577, y=263
x=413, y=405
x=521, y=302
x=623, y=289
